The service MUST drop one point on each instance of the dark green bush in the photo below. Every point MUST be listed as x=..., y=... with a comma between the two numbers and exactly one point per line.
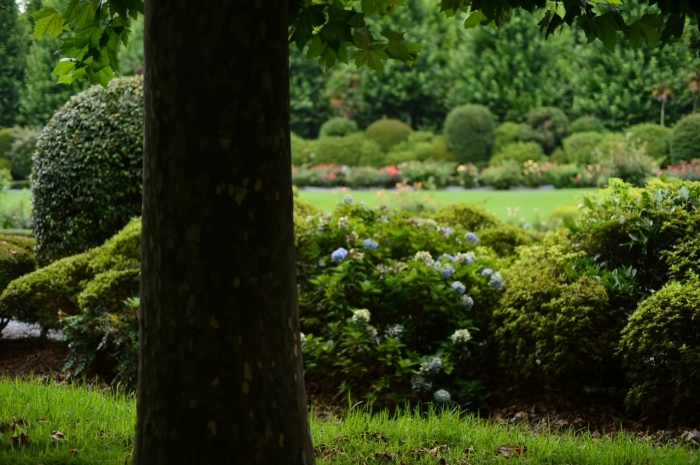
x=352, y=150
x=5, y=164
x=504, y=176
x=87, y=173
x=505, y=134
x=6, y=138
x=302, y=151
x=548, y=126
x=518, y=152
x=418, y=146
x=339, y=126
x=553, y=324
x=579, y=148
x=440, y=150
x=684, y=143
x=661, y=349
x=586, y=123
x=388, y=132
x=107, y=291
x=656, y=137
x=22, y=150
x=15, y=261
x=469, y=131
x=505, y=238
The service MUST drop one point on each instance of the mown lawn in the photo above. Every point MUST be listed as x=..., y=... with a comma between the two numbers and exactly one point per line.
x=11, y=199
x=56, y=425
x=513, y=205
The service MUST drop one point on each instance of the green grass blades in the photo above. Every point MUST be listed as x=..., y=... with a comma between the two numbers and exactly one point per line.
x=512, y=206
x=56, y=425
x=446, y=437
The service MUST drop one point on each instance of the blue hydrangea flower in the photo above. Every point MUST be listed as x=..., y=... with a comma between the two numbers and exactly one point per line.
x=447, y=232
x=496, y=281
x=487, y=272
x=348, y=199
x=467, y=302
x=471, y=237
x=458, y=287
x=432, y=367
x=449, y=257
x=448, y=271
x=441, y=396
x=339, y=254
x=421, y=384
x=370, y=244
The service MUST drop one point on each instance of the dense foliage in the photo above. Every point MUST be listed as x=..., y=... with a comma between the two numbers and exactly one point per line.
x=85, y=187
x=685, y=140
x=469, y=133
x=338, y=126
x=12, y=50
x=388, y=132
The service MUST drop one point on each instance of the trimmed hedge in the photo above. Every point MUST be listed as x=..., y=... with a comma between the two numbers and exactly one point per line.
x=352, y=150
x=467, y=216
x=685, y=140
x=15, y=261
x=388, y=132
x=87, y=174
x=586, y=123
x=338, y=126
x=469, y=131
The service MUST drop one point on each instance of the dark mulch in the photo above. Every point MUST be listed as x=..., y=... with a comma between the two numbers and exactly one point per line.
x=20, y=358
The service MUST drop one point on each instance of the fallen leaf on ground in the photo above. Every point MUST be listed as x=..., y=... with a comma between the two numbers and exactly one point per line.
x=57, y=436
x=512, y=450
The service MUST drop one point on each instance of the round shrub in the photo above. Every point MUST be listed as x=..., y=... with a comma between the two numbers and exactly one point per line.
x=684, y=141
x=440, y=151
x=505, y=134
x=518, y=152
x=15, y=261
x=469, y=217
x=504, y=176
x=656, y=137
x=587, y=123
x=547, y=126
x=505, y=238
x=469, y=133
x=388, y=132
x=629, y=162
x=352, y=150
x=303, y=152
x=22, y=150
x=579, y=148
x=87, y=169
x=6, y=138
x=418, y=146
x=661, y=348
x=338, y=126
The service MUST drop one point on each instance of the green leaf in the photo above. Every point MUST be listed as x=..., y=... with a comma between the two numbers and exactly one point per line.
x=646, y=28
x=606, y=27
x=316, y=47
x=372, y=56
x=474, y=19
x=63, y=68
x=674, y=27
x=49, y=21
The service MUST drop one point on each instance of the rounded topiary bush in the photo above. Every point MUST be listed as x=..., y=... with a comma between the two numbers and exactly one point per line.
x=339, y=126
x=87, y=169
x=505, y=134
x=661, y=349
x=587, y=123
x=388, y=132
x=547, y=126
x=467, y=216
x=352, y=150
x=469, y=133
x=519, y=152
x=579, y=148
x=685, y=139
x=655, y=137
x=505, y=238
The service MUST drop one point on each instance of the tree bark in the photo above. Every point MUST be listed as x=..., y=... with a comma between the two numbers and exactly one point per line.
x=220, y=370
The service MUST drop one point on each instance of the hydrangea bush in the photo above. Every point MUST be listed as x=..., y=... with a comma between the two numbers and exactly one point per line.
x=392, y=305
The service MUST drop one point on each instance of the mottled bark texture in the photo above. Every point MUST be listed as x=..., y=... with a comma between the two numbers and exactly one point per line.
x=220, y=372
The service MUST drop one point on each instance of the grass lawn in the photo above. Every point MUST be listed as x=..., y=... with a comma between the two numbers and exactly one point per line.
x=99, y=428
x=11, y=199
x=514, y=205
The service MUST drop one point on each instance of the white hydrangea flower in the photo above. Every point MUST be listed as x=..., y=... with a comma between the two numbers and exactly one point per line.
x=441, y=396
x=465, y=258
x=461, y=336
x=361, y=316
x=343, y=223
x=395, y=331
x=424, y=257
x=371, y=330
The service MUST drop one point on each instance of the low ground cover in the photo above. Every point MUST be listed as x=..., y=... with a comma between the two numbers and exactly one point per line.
x=518, y=206
x=58, y=424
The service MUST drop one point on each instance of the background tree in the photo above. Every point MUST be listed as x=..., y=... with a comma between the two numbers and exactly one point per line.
x=12, y=53
x=662, y=94
x=694, y=88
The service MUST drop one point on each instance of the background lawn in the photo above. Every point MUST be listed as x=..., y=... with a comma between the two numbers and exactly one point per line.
x=512, y=205
x=11, y=199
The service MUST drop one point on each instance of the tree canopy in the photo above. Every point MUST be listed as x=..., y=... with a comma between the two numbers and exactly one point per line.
x=337, y=31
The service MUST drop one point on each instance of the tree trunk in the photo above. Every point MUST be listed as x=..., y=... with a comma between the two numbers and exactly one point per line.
x=220, y=370
x=695, y=102
x=663, y=111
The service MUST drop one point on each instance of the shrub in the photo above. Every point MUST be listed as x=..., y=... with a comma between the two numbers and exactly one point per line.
x=684, y=143
x=467, y=216
x=320, y=176
x=656, y=137
x=417, y=147
x=440, y=150
x=303, y=152
x=518, y=152
x=505, y=238
x=579, y=148
x=87, y=173
x=352, y=150
x=468, y=175
x=561, y=176
x=15, y=261
x=388, y=132
x=505, y=134
x=553, y=324
x=365, y=176
x=421, y=337
x=430, y=174
x=338, y=126
x=629, y=162
x=469, y=133
x=506, y=175
x=6, y=138
x=661, y=349
x=587, y=123
x=22, y=150
x=547, y=126
x=532, y=174
x=23, y=242
x=5, y=164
